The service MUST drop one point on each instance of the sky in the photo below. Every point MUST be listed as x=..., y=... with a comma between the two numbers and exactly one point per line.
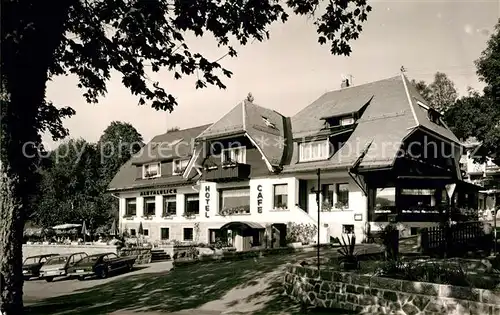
x=291, y=70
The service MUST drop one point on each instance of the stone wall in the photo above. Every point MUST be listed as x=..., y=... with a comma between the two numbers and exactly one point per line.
x=377, y=295
x=143, y=254
x=38, y=249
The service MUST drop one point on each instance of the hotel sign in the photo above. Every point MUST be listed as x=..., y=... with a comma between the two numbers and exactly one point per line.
x=207, y=199
x=259, y=199
x=158, y=192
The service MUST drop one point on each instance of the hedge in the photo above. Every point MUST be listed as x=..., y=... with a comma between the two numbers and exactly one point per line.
x=234, y=256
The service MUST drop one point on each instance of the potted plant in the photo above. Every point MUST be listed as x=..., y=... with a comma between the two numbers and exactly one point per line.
x=341, y=205
x=326, y=206
x=229, y=163
x=189, y=215
x=349, y=258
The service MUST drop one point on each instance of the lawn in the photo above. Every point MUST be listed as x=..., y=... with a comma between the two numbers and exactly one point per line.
x=186, y=288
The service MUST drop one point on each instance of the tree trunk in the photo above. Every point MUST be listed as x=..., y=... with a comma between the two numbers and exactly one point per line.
x=31, y=32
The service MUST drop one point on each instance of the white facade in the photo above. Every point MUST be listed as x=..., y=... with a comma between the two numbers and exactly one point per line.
x=332, y=221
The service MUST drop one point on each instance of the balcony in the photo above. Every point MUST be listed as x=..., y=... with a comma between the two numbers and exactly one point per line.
x=226, y=173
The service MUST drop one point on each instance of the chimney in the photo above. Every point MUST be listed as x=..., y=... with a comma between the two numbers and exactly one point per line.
x=345, y=83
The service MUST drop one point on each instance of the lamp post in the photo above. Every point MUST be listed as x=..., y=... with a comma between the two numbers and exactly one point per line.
x=318, y=173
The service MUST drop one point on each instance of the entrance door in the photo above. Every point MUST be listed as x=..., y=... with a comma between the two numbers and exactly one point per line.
x=303, y=195
x=278, y=235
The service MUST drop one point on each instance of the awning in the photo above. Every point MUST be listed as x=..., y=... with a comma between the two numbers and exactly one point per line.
x=241, y=224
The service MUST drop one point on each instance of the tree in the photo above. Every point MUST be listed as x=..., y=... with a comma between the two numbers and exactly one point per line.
x=443, y=93
x=488, y=70
x=478, y=114
x=440, y=94
x=72, y=190
x=116, y=145
x=42, y=39
x=422, y=89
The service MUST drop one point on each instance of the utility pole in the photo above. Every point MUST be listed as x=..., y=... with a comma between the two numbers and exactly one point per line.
x=318, y=190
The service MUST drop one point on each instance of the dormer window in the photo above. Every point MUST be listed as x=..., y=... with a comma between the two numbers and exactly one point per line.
x=432, y=114
x=314, y=150
x=234, y=155
x=268, y=123
x=347, y=121
x=151, y=170
x=179, y=166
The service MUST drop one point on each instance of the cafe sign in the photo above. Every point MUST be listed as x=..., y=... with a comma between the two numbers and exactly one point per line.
x=259, y=199
x=158, y=192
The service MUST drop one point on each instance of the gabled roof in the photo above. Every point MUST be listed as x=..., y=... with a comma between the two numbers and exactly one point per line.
x=168, y=146
x=265, y=127
x=388, y=119
x=421, y=115
x=161, y=148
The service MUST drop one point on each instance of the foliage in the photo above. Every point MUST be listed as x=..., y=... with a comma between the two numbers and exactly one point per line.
x=235, y=210
x=347, y=249
x=117, y=144
x=389, y=236
x=422, y=89
x=434, y=272
x=477, y=115
x=91, y=40
x=441, y=93
x=300, y=232
x=75, y=176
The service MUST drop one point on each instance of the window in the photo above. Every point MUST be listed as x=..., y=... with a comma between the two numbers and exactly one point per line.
x=169, y=206
x=145, y=232
x=235, y=201
x=192, y=204
x=327, y=193
x=280, y=196
x=178, y=166
x=347, y=228
x=151, y=170
x=234, y=155
x=342, y=196
x=313, y=151
x=165, y=233
x=217, y=235
x=130, y=207
x=149, y=206
x=188, y=234
x=385, y=200
x=132, y=232
x=347, y=121
x=268, y=122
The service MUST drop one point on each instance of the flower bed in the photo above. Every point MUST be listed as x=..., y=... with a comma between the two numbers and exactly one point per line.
x=381, y=295
x=232, y=255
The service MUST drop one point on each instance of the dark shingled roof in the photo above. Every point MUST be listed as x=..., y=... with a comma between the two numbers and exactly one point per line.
x=389, y=117
x=248, y=117
x=158, y=150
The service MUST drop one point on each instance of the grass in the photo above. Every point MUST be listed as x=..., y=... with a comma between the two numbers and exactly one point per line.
x=184, y=288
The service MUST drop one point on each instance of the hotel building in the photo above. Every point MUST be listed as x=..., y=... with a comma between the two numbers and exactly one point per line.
x=382, y=152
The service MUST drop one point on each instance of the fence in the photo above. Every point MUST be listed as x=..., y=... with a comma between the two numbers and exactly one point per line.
x=455, y=238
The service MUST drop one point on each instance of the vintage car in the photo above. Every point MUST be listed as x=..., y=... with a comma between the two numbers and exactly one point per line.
x=32, y=265
x=57, y=266
x=101, y=265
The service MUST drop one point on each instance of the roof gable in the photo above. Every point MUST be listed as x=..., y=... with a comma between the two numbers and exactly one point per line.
x=264, y=127
x=167, y=146
x=422, y=114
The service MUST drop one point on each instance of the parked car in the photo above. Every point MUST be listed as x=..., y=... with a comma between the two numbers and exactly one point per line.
x=32, y=265
x=101, y=265
x=58, y=266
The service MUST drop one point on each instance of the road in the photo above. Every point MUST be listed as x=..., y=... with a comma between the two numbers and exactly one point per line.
x=36, y=290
